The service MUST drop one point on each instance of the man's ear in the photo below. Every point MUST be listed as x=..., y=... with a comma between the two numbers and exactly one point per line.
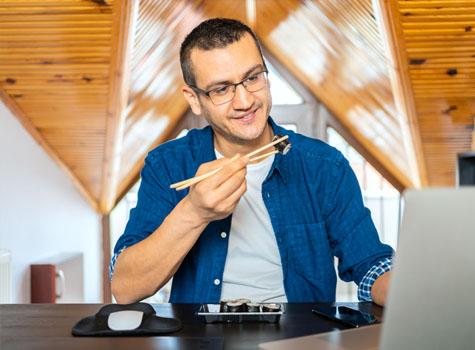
x=192, y=99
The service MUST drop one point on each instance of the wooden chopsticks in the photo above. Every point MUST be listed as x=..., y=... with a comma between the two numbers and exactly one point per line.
x=187, y=183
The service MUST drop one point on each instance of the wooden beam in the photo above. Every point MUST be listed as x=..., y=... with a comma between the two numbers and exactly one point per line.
x=123, y=33
x=172, y=131
x=18, y=113
x=388, y=13
x=383, y=164
x=251, y=13
x=106, y=258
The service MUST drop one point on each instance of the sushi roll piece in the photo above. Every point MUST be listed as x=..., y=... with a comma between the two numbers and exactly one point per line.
x=283, y=146
x=235, y=306
x=253, y=307
x=223, y=307
x=271, y=308
x=244, y=302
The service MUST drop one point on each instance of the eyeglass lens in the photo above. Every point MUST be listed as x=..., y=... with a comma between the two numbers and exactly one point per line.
x=227, y=93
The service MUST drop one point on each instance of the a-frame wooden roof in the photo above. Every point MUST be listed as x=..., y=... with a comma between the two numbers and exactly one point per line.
x=97, y=83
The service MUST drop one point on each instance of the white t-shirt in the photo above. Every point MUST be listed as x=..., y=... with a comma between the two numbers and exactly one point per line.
x=253, y=268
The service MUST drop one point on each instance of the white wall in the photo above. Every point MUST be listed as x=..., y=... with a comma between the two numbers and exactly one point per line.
x=41, y=212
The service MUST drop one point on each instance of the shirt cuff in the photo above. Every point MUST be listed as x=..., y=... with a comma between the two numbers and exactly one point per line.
x=112, y=263
x=364, y=288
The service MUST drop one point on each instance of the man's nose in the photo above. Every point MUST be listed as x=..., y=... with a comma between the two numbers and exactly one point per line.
x=243, y=99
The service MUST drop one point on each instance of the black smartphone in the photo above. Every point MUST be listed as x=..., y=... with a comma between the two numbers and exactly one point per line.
x=350, y=317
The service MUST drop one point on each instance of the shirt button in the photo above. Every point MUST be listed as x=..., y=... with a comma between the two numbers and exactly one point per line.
x=268, y=194
x=223, y=234
x=217, y=282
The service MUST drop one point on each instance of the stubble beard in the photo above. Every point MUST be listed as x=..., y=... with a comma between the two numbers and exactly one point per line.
x=227, y=133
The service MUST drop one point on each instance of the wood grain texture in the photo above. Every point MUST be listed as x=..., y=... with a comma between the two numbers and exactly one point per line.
x=336, y=50
x=403, y=91
x=125, y=13
x=98, y=83
x=38, y=137
x=55, y=63
x=156, y=102
x=440, y=41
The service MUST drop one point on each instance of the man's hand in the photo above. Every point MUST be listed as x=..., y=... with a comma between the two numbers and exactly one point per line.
x=217, y=196
x=379, y=291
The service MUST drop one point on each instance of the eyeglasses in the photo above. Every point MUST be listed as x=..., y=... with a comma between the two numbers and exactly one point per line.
x=226, y=93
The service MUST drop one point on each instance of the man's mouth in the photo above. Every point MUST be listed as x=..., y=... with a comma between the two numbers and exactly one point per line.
x=247, y=116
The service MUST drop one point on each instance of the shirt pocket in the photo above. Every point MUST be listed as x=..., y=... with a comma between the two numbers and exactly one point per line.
x=309, y=251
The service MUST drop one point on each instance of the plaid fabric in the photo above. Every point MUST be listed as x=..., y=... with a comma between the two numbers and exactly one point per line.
x=112, y=263
x=364, y=288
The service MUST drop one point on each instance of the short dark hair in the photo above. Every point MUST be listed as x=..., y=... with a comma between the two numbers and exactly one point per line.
x=211, y=34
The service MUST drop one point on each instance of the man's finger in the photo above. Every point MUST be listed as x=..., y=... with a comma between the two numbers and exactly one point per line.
x=233, y=166
x=228, y=168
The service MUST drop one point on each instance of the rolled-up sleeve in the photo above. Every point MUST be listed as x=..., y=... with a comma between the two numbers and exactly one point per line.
x=364, y=288
x=113, y=260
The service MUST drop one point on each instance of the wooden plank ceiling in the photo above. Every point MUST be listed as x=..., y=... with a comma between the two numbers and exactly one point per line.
x=438, y=38
x=97, y=83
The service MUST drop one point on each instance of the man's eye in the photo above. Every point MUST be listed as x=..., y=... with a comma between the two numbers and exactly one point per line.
x=252, y=79
x=222, y=90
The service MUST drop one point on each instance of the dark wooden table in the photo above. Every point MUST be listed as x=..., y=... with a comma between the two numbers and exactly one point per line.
x=48, y=326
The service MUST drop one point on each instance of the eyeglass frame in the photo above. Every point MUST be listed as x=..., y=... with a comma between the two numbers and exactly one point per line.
x=206, y=93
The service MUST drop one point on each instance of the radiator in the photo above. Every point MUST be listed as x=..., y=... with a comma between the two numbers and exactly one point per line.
x=5, y=276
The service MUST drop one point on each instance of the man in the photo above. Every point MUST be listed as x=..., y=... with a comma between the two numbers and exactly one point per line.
x=267, y=231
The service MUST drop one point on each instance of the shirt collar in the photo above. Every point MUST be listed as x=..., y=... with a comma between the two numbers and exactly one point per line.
x=279, y=164
x=205, y=147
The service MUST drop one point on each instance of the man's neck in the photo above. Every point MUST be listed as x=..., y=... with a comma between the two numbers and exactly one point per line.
x=229, y=149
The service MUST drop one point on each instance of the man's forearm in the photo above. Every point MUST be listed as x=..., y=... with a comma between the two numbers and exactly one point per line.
x=145, y=267
x=380, y=288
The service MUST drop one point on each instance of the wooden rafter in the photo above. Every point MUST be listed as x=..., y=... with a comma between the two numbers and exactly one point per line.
x=402, y=90
x=64, y=71
x=124, y=15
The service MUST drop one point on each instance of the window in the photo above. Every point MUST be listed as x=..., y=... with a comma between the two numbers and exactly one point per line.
x=282, y=93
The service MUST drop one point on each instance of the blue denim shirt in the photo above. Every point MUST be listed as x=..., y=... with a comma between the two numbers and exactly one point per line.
x=314, y=202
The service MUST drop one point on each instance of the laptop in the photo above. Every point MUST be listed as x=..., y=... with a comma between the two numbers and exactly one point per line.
x=431, y=300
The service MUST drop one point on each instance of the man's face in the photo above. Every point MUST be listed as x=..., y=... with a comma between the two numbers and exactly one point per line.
x=245, y=117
